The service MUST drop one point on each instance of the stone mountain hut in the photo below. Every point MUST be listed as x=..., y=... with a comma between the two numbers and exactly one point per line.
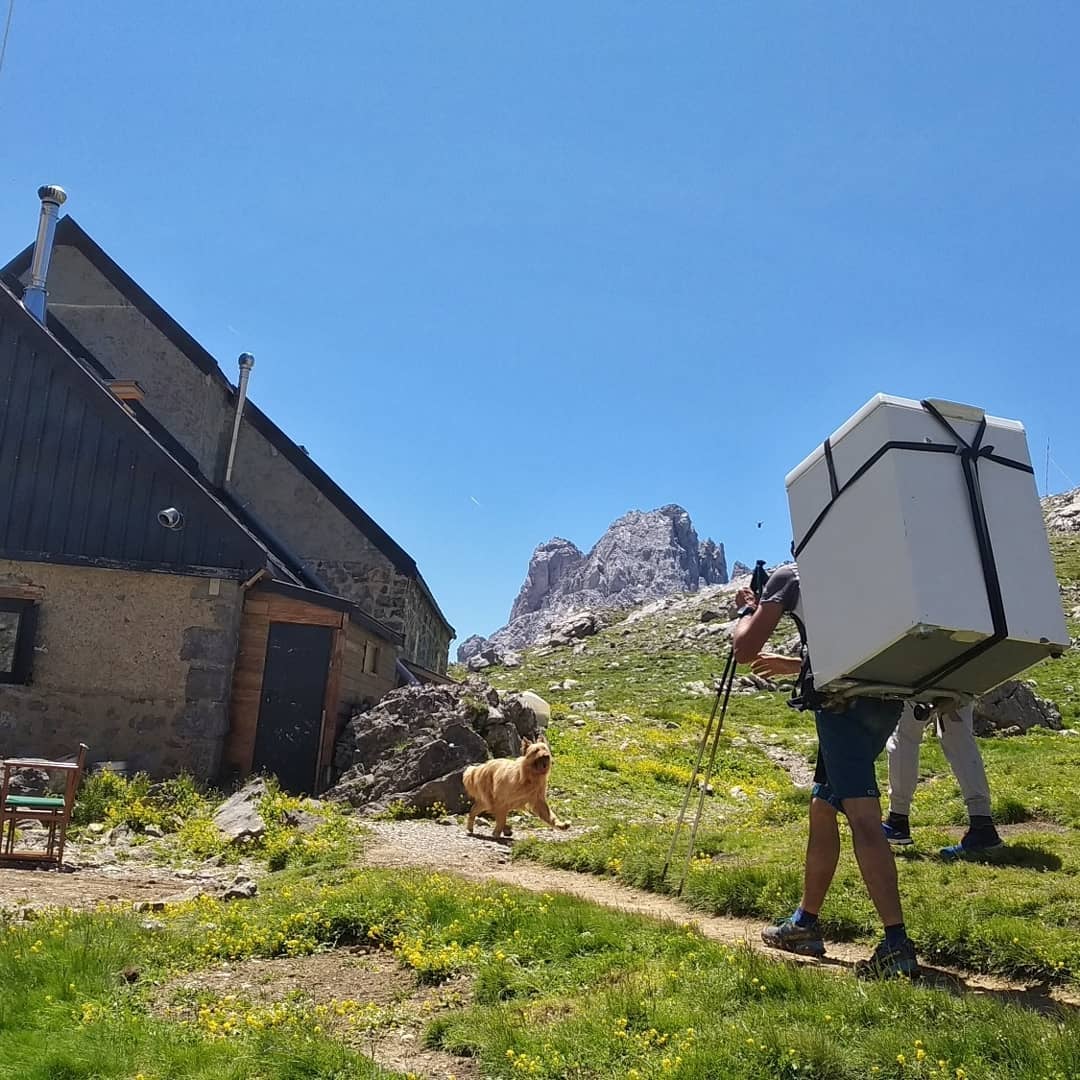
x=181, y=585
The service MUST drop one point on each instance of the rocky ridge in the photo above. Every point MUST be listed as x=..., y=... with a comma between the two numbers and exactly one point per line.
x=643, y=555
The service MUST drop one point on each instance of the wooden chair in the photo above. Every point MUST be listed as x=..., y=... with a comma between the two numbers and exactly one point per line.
x=53, y=811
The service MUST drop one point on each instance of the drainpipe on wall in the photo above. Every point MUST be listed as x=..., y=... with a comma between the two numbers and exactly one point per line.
x=52, y=198
x=247, y=362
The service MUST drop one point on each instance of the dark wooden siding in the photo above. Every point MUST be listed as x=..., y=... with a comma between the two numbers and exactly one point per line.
x=81, y=480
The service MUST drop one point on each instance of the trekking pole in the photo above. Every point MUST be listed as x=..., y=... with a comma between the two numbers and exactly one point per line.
x=727, y=680
x=681, y=820
x=723, y=692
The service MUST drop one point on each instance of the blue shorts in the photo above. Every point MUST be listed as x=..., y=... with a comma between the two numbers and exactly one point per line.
x=849, y=743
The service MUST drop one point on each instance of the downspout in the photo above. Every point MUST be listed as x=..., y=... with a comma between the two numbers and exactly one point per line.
x=247, y=362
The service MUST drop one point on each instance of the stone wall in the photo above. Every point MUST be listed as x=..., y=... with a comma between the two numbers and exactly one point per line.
x=197, y=408
x=136, y=665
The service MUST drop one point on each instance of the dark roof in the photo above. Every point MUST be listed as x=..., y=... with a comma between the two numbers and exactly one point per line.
x=161, y=434
x=335, y=603
x=70, y=233
x=82, y=481
x=426, y=675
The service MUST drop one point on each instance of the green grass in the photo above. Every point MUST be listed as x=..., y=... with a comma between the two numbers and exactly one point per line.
x=625, y=767
x=561, y=989
x=182, y=810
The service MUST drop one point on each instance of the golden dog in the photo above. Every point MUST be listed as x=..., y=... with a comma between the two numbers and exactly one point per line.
x=503, y=784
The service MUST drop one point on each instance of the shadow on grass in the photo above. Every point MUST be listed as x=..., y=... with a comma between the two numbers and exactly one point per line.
x=1038, y=996
x=1012, y=855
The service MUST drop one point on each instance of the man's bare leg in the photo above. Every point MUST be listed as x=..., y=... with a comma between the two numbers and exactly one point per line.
x=875, y=857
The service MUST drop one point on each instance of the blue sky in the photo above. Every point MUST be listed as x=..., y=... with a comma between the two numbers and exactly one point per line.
x=511, y=270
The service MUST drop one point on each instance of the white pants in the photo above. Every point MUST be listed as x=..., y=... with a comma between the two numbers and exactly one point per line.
x=960, y=749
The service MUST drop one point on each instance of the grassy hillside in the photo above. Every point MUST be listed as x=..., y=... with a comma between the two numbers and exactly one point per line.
x=625, y=736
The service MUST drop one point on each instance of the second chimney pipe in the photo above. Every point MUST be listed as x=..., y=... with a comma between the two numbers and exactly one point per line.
x=247, y=362
x=52, y=198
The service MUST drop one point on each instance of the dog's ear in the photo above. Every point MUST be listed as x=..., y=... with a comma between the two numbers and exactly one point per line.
x=525, y=744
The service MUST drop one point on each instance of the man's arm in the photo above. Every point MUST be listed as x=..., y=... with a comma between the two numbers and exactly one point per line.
x=752, y=631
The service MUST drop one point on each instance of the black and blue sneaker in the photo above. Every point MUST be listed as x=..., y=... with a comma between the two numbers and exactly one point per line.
x=890, y=962
x=980, y=839
x=792, y=938
x=897, y=830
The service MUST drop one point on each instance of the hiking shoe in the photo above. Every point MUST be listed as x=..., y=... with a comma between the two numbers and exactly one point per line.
x=897, y=831
x=801, y=940
x=889, y=962
x=978, y=840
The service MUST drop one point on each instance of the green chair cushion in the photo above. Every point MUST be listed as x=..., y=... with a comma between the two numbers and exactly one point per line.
x=34, y=802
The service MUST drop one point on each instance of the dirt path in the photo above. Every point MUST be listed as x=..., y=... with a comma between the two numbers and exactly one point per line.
x=84, y=883
x=427, y=845
x=368, y=1000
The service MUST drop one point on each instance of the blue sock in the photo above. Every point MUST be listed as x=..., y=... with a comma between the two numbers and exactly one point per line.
x=895, y=935
x=803, y=919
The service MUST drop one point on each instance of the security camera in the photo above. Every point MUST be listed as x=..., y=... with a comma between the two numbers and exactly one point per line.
x=170, y=518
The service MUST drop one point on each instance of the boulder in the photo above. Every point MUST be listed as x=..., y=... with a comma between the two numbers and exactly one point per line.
x=418, y=739
x=238, y=818
x=582, y=624
x=448, y=791
x=1011, y=705
x=470, y=647
x=528, y=712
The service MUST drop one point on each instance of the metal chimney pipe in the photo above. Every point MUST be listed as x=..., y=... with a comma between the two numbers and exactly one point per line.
x=52, y=198
x=247, y=362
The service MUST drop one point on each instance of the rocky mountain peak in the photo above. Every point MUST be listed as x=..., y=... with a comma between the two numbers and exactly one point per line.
x=643, y=555
x=549, y=565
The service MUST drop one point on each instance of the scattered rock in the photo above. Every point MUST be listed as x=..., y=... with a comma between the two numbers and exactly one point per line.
x=478, y=663
x=153, y=830
x=238, y=818
x=579, y=722
x=242, y=888
x=191, y=893
x=96, y=828
x=709, y=615
x=565, y=684
x=583, y=706
x=1014, y=705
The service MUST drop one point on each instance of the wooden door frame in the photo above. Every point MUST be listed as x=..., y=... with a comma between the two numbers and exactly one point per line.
x=261, y=609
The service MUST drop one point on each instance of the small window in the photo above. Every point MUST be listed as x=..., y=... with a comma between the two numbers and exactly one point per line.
x=371, y=658
x=18, y=619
